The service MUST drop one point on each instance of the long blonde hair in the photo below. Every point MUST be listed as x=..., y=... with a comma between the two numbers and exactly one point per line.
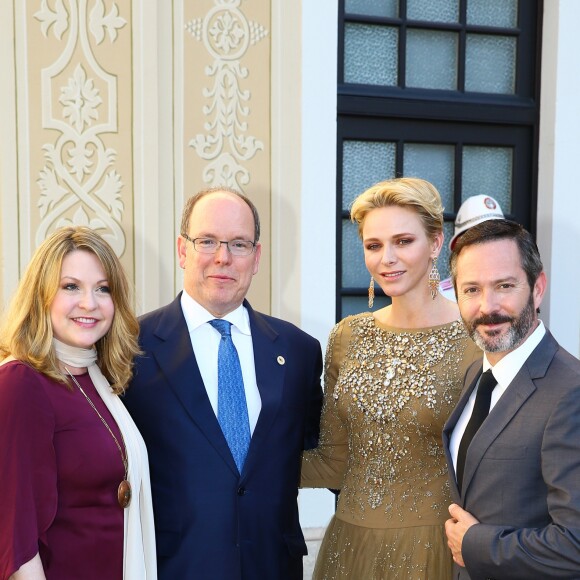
x=26, y=331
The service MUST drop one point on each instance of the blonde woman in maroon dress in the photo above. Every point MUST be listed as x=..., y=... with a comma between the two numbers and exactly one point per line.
x=75, y=498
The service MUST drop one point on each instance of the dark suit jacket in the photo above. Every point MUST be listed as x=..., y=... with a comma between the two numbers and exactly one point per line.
x=211, y=523
x=522, y=473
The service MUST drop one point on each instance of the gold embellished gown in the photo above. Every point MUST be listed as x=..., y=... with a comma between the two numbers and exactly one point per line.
x=388, y=392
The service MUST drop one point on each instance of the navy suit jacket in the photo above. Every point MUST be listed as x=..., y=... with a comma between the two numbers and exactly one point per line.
x=211, y=522
x=522, y=473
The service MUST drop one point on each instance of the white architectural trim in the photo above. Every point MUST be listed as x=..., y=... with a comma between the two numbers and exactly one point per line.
x=304, y=65
x=153, y=155
x=21, y=135
x=10, y=262
x=286, y=200
x=558, y=230
x=318, y=190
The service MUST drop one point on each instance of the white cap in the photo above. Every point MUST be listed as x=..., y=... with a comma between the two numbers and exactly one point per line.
x=473, y=211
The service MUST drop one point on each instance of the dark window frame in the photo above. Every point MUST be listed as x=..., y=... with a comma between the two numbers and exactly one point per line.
x=399, y=114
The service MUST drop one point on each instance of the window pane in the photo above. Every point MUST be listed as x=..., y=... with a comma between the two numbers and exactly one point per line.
x=358, y=304
x=365, y=163
x=435, y=163
x=501, y=13
x=431, y=59
x=490, y=64
x=370, y=54
x=354, y=271
x=439, y=11
x=443, y=261
x=488, y=171
x=384, y=8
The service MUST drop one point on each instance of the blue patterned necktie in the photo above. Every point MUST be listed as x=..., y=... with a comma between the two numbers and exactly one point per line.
x=232, y=407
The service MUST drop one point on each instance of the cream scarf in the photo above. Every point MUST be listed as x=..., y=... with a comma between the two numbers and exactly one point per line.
x=139, y=561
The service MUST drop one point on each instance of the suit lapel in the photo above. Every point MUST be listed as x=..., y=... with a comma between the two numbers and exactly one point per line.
x=513, y=398
x=270, y=371
x=176, y=358
x=520, y=389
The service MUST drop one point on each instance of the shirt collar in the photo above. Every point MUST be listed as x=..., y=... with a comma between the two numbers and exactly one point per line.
x=509, y=366
x=196, y=315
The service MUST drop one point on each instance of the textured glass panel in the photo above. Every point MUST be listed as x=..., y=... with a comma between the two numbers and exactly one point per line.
x=490, y=64
x=365, y=163
x=358, y=304
x=384, y=8
x=435, y=163
x=431, y=59
x=488, y=171
x=501, y=13
x=370, y=54
x=354, y=271
x=433, y=10
x=443, y=260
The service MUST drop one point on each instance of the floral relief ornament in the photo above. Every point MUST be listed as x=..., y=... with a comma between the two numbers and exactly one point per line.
x=78, y=168
x=80, y=100
x=227, y=35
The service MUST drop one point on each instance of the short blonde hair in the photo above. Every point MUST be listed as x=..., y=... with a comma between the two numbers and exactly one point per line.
x=413, y=193
x=26, y=332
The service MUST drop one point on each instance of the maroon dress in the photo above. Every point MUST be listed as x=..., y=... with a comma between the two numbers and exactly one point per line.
x=59, y=473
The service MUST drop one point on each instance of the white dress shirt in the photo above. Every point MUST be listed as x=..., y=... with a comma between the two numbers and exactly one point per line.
x=504, y=372
x=205, y=340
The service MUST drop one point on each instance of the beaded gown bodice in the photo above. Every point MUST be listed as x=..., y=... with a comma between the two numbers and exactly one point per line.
x=388, y=394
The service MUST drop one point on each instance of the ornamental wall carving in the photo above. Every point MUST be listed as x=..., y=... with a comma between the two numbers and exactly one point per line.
x=81, y=157
x=120, y=110
x=227, y=142
x=222, y=100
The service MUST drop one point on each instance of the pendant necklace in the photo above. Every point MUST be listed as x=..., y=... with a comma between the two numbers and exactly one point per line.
x=124, y=490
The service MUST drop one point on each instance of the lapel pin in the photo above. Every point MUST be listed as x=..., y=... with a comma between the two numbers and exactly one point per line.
x=281, y=360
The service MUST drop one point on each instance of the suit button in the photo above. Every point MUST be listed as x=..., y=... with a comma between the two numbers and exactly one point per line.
x=241, y=491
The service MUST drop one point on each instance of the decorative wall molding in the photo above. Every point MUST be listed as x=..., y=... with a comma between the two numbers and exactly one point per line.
x=227, y=35
x=79, y=183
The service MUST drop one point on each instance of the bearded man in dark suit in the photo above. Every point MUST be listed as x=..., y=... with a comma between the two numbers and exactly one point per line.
x=513, y=441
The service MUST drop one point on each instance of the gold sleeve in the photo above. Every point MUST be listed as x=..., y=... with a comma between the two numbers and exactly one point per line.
x=325, y=466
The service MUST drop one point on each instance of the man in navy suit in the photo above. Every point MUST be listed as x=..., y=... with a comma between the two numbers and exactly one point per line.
x=218, y=517
x=513, y=441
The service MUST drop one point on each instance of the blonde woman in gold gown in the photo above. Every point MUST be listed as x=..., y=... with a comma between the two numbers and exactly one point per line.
x=391, y=379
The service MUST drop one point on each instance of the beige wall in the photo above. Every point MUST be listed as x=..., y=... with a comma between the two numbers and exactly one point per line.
x=115, y=111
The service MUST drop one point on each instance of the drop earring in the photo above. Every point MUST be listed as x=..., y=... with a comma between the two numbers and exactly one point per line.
x=434, y=279
x=372, y=292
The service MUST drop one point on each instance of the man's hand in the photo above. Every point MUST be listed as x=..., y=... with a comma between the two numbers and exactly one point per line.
x=455, y=529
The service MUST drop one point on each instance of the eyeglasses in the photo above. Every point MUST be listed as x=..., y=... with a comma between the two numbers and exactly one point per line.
x=211, y=246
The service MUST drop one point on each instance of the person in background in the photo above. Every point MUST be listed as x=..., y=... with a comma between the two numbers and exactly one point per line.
x=226, y=398
x=513, y=441
x=391, y=379
x=473, y=211
x=75, y=498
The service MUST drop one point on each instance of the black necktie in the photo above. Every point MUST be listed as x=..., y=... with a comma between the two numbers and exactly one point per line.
x=487, y=383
